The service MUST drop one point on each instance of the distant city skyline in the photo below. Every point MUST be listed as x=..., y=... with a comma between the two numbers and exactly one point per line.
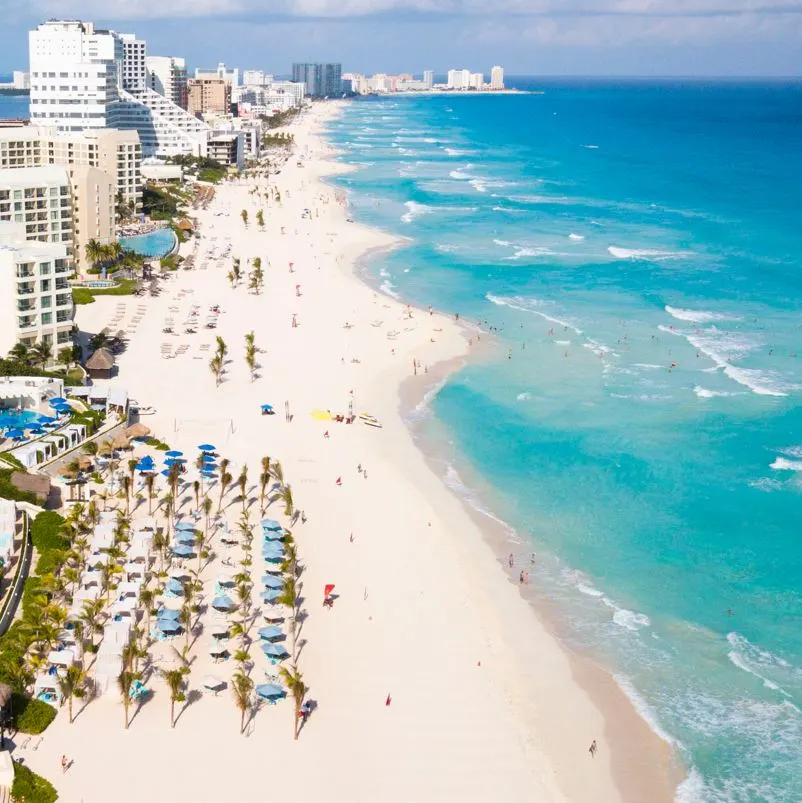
x=700, y=38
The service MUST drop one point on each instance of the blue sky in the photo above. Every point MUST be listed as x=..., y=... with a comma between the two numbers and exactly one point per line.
x=537, y=37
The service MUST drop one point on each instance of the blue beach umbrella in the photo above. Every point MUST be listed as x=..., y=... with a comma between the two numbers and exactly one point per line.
x=207, y=447
x=267, y=407
x=182, y=551
x=173, y=586
x=272, y=536
x=269, y=595
x=169, y=613
x=268, y=691
x=273, y=558
x=15, y=434
x=46, y=419
x=273, y=548
x=57, y=400
x=207, y=458
x=165, y=472
x=274, y=650
x=223, y=603
x=271, y=633
x=271, y=581
x=173, y=453
x=185, y=537
x=270, y=524
x=168, y=625
x=185, y=525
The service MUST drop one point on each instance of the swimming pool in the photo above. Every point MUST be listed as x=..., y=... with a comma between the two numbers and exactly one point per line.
x=18, y=418
x=156, y=243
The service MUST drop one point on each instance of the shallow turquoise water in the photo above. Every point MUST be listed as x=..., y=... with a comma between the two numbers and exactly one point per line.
x=157, y=243
x=638, y=247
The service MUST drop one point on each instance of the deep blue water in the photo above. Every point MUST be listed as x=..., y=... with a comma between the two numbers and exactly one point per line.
x=156, y=243
x=638, y=245
x=13, y=105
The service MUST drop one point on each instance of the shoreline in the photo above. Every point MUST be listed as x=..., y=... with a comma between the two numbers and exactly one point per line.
x=626, y=730
x=423, y=618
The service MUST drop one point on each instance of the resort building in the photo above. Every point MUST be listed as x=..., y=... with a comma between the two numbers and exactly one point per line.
x=208, y=96
x=278, y=97
x=167, y=75
x=497, y=78
x=117, y=153
x=66, y=204
x=458, y=79
x=321, y=80
x=36, y=301
x=83, y=77
x=227, y=148
x=428, y=78
x=229, y=76
x=74, y=75
x=256, y=78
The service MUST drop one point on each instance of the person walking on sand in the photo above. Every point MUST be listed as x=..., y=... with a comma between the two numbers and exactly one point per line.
x=511, y=560
x=339, y=481
x=64, y=765
x=388, y=700
x=593, y=748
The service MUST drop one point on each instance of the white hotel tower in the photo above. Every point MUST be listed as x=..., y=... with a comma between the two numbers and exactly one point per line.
x=86, y=77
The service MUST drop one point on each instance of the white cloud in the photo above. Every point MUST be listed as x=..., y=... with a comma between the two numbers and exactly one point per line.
x=112, y=10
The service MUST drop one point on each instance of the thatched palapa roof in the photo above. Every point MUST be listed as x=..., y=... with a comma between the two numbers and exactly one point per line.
x=38, y=484
x=101, y=360
x=137, y=431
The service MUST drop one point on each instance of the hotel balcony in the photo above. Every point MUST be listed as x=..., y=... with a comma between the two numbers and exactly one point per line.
x=26, y=306
x=26, y=322
x=64, y=316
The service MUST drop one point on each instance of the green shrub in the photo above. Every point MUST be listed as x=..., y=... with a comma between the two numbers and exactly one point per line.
x=31, y=788
x=155, y=443
x=31, y=716
x=46, y=532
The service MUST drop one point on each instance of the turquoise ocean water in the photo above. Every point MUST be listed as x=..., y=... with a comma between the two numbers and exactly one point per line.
x=639, y=247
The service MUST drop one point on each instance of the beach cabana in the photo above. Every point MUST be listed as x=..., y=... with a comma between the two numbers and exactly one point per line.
x=101, y=364
x=223, y=603
x=219, y=648
x=270, y=692
x=271, y=633
x=213, y=684
x=274, y=613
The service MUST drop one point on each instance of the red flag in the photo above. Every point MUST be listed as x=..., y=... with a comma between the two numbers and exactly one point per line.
x=327, y=589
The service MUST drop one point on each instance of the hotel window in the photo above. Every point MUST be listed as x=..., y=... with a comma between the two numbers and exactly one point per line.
x=47, y=318
x=46, y=302
x=44, y=286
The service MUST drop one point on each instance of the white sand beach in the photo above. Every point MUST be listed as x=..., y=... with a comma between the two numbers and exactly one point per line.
x=485, y=705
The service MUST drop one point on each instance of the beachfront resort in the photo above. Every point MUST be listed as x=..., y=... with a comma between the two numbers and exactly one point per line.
x=224, y=559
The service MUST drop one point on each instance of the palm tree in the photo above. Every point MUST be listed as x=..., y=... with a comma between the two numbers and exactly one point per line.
x=175, y=682
x=126, y=488
x=222, y=348
x=264, y=481
x=146, y=598
x=42, y=353
x=242, y=687
x=132, y=463
x=150, y=486
x=260, y=218
x=124, y=682
x=294, y=682
x=19, y=353
x=235, y=269
x=244, y=216
x=91, y=616
x=94, y=251
x=224, y=464
x=250, y=339
x=277, y=472
x=207, y=509
x=285, y=494
x=289, y=597
x=242, y=481
x=231, y=276
x=173, y=478
x=225, y=481
x=216, y=367
x=65, y=356
x=250, y=361
x=196, y=487
x=169, y=504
